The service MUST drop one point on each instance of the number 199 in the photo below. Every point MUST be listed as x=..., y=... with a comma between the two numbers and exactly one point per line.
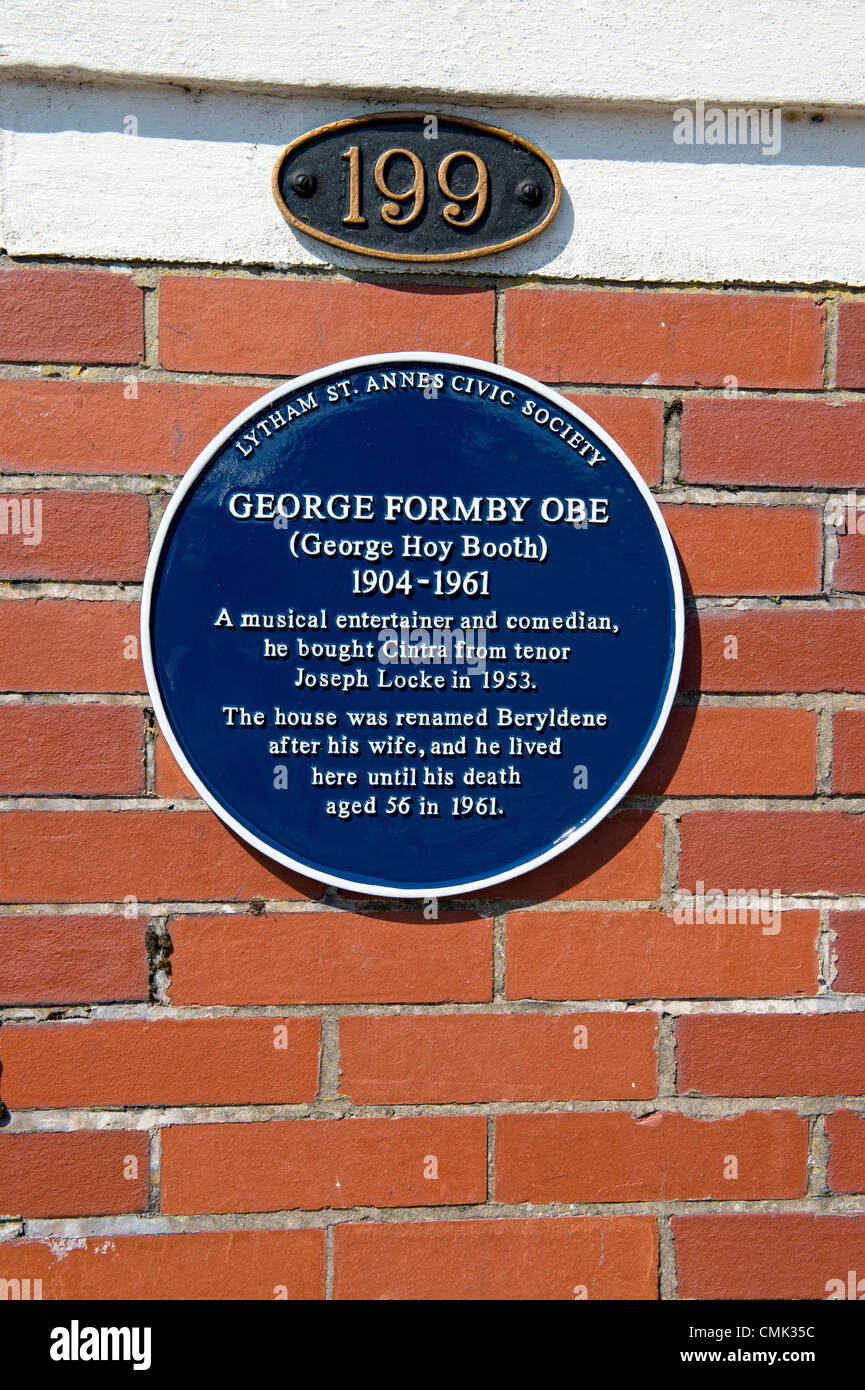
x=404, y=205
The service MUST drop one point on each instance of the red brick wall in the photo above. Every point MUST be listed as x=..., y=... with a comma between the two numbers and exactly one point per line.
x=250, y=1087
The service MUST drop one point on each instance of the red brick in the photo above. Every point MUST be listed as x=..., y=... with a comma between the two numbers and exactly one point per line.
x=621, y=858
x=848, y=576
x=84, y=536
x=170, y=781
x=637, y=425
x=285, y=326
x=773, y=442
x=525, y=1260
x=672, y=339
x=331, y=957
x=238, y=1265
x=778, y=650
x=66, y=960
x=849, y=928
x=845, y=1130
x=771, y=1054
x=54, y=315
x=96, y=427
x=848, y=752
x=231, y=1061
x=155, y=856
x=665, y=1157
x=787, y=851
x=79, y=1174
x=89, y=750
x=733, y=750
x=440, y=1058
x=647, y=955
x=851, y=344
x=314, y=1164
x=770, y=1255
x=748, y=550
x=69, y=644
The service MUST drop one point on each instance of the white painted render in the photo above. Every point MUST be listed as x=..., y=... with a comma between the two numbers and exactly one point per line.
x=806, y=52
x=193, y=184
x=149, y=133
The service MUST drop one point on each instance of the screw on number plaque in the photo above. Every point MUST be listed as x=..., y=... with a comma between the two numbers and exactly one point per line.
x=410, y=186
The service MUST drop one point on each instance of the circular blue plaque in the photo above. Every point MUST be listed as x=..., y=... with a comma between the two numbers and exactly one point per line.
x=412, y=624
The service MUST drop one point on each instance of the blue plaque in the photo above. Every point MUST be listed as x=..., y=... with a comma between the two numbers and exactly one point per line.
x=412, y=624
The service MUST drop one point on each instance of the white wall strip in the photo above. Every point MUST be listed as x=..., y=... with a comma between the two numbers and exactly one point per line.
x=190, y=181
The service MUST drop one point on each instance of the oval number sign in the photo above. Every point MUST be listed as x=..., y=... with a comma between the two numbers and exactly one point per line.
x=412, y=187
x=412, y=624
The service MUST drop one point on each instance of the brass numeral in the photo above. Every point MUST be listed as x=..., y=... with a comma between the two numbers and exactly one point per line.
x=417, y=190
x=355, y=217
x=452, y=210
